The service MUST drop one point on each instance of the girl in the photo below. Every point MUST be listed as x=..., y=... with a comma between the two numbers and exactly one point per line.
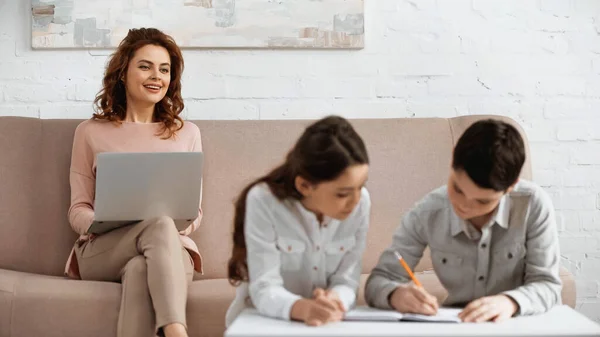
x=137, y=111
x=300, y=231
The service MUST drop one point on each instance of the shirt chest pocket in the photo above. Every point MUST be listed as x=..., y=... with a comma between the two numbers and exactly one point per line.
x=292, y=253
x=447, y=266
x=335, y=250
x=510, y=259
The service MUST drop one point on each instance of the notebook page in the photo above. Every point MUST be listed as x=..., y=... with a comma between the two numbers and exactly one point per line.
x=449, y=315
x=372, y=314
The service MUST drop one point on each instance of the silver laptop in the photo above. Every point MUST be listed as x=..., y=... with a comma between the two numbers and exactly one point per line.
x=131, y=187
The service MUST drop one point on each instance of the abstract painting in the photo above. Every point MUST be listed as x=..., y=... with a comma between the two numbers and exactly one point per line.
x=201, y=23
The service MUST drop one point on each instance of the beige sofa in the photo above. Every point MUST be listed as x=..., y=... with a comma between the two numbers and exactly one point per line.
x=409, y=157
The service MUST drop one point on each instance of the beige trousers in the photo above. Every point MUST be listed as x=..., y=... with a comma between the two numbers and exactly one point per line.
x=154, y=268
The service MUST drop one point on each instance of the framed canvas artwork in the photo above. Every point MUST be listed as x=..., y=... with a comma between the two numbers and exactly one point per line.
x=326, y=24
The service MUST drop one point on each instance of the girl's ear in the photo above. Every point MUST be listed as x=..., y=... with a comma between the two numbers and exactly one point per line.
x=303, y=186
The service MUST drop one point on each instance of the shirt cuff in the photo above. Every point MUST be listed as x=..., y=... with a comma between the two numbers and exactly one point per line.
x=346, y=294
x=83, y=220
x=522, y=302
x=382, y=299
x=288, y=303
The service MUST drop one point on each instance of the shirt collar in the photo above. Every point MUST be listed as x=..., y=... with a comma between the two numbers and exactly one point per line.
x=311, y=217
x=501, y=217
x=456, y=226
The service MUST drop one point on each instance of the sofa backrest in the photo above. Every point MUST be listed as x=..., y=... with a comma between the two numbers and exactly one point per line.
x=409, y=157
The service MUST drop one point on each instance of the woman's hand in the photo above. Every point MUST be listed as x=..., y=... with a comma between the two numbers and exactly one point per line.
x=324, y=308
x=329, y=298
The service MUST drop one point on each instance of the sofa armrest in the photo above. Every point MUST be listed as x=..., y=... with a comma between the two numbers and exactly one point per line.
x=569, y=292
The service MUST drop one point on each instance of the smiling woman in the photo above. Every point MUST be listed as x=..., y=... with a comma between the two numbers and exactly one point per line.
x=137, y=110
x=144, y=76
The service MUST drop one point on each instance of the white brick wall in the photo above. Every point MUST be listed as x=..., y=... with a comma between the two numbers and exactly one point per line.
x=537, y=61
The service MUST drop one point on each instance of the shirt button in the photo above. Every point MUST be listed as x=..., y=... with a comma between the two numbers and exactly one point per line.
x=444, y=260
x=289, y=248
x=318, y=248
x=483, y=245
x=315, y=268
x=342, y=249
x=510, y=256
x=480, y=278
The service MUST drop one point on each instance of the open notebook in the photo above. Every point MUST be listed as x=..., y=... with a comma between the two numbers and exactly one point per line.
x=366, y=314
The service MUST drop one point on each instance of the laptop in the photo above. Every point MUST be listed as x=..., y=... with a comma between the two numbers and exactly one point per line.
x=131, y=187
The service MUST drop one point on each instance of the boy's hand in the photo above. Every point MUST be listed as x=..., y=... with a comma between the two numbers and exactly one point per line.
x=409, y=298
x=496, y=308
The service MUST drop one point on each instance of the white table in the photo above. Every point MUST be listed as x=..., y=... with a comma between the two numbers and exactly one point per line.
x=560, y=321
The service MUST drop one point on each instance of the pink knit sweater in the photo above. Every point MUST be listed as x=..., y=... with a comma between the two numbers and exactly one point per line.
x=93, y=137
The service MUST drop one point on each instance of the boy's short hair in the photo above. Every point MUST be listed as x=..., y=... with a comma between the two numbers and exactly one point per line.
x=492, y=154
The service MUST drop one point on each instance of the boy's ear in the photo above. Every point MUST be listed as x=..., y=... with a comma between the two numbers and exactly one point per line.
x=303, y=186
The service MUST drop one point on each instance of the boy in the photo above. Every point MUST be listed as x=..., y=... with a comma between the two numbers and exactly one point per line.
x=493, y=237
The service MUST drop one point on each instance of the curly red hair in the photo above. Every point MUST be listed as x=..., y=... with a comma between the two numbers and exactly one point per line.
x=111, y=104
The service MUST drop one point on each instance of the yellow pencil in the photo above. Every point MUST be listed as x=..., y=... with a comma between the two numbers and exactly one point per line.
x=407, y=268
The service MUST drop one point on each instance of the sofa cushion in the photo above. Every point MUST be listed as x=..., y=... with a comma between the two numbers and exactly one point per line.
x=8, y=282
x=208, y=301
x=54, y=306
x=35, y=156
x=38, y=305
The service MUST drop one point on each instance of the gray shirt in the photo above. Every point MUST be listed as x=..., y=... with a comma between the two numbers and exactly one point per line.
x=516, y=253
